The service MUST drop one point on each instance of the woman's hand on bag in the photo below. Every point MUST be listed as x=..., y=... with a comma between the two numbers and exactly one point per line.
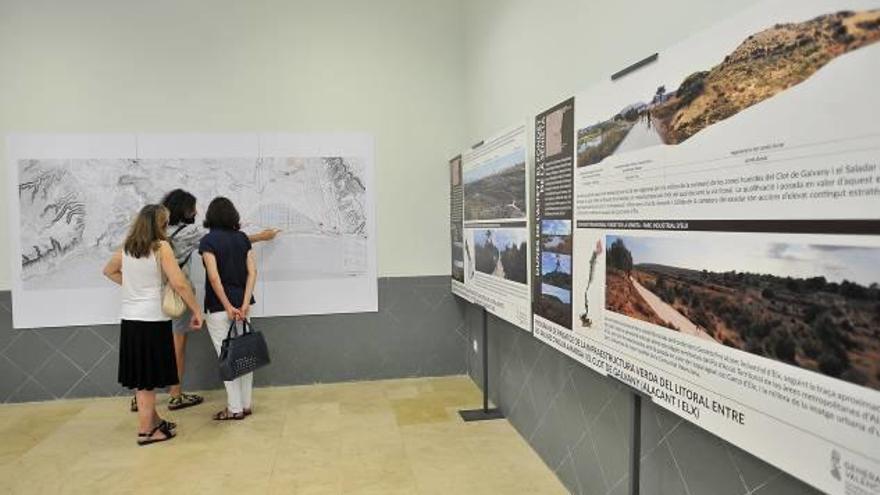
x=245, y=310
x=196, y=321
x=233, y=313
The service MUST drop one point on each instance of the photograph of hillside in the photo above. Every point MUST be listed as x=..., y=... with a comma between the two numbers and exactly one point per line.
x=496, y=190
x=556, y=236
x=762, y=66
x=502, y=253
x=809, y=305
x=554, y=302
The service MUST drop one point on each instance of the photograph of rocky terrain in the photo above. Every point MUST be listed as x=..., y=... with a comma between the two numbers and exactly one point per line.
x=762, y=66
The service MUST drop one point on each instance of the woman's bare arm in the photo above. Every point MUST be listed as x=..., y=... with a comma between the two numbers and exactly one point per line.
x=113, y=270
x=251, y=281
x=264, y=235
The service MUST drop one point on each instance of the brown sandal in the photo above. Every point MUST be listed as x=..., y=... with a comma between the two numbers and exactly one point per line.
x=225, y=415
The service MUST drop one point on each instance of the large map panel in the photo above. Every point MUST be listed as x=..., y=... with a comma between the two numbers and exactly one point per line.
x=75, y=203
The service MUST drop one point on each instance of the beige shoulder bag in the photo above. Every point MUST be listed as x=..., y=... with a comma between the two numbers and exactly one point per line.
x=172, y=304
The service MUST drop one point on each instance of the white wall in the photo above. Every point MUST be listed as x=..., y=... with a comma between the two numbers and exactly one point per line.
x=425, y=77
x=523, y=56
x=388, y=67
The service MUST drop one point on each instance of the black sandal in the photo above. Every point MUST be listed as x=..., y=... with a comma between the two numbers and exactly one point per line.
x=225, y=415
x=183, y=401
x=147, y=438
x=171, y=425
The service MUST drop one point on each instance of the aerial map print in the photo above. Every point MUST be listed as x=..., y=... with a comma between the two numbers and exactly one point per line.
x=75, y=212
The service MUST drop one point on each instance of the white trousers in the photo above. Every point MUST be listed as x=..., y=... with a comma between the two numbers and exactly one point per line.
x=239, y=392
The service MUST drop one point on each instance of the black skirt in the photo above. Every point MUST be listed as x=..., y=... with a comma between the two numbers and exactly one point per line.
x=146, y=355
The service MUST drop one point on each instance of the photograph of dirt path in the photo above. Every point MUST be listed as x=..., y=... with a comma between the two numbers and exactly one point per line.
x=763, y=65
x=502, y=253
x=810, y=305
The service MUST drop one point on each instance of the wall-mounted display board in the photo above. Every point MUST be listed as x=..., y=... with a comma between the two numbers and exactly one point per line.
x=726, y=250
x=456, y=229
x=553, y=236
x=73, y=197
x=496, y=226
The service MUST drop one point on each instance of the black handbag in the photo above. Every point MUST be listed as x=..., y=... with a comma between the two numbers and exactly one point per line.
x=243, y=353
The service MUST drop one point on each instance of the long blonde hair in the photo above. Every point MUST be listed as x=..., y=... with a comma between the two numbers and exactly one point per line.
x=147, y=231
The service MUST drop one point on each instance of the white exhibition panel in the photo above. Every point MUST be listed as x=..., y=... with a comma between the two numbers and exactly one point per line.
x=496, y=225
x=72, y=198
x=726, y=255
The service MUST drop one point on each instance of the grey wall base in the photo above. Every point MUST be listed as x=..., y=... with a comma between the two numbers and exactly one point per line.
x=580, y=423
x=418, y=331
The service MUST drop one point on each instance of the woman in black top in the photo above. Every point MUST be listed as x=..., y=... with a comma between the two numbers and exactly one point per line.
x=231, y=274
x=184, y=236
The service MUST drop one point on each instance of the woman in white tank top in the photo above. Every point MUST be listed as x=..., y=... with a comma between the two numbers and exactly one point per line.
x=141, y=289
x=146, y=348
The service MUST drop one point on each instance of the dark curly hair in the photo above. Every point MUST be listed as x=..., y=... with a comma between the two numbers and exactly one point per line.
x=222, y=215
x=181, y=204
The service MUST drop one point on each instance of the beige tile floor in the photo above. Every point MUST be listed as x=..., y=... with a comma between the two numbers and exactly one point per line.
x=386, y=437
